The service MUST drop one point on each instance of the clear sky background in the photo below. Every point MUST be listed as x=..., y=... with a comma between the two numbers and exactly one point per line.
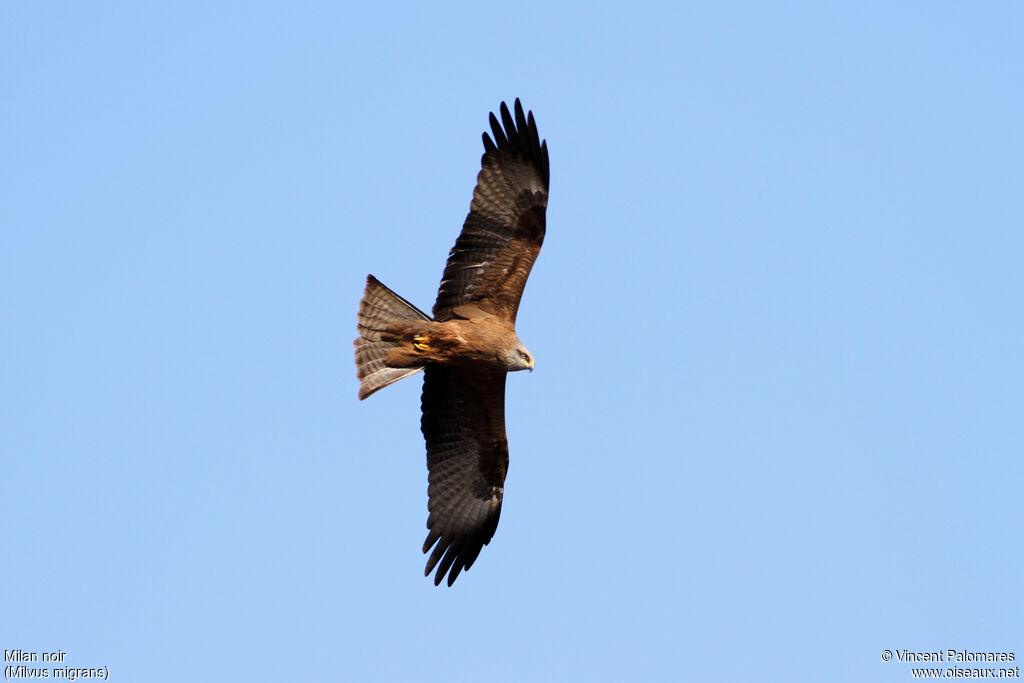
x=776, y=422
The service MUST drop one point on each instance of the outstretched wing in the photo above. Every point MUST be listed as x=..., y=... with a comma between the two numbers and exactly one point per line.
x=467, y=454
x=503, y=232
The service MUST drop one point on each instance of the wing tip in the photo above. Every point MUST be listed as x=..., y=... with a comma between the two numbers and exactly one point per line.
x=442, y=554
x=451, y=556
x=518, y=135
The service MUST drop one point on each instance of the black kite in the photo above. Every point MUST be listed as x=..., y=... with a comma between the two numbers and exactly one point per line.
x=469, y=344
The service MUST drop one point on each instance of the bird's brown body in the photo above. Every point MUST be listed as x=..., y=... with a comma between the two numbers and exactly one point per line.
x=478, y=343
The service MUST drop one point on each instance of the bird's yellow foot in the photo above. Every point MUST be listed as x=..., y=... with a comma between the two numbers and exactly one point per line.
x=421, y=343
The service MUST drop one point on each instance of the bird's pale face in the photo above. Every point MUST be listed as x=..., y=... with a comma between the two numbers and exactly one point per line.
x=518, y=358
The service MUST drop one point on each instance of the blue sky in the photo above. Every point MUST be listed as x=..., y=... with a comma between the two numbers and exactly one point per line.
x=776, y=422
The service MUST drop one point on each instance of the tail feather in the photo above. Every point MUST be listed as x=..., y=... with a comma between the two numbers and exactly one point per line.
x=378, y=308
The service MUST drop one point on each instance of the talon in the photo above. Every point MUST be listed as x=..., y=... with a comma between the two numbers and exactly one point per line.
x=421, y=343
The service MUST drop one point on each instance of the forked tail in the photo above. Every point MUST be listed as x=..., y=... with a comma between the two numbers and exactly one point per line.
x=379, y=308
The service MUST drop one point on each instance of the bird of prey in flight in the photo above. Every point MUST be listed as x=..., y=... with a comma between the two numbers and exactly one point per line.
x=469, y=343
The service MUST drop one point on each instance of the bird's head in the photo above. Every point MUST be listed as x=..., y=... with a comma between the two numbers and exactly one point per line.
x=518, y=357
